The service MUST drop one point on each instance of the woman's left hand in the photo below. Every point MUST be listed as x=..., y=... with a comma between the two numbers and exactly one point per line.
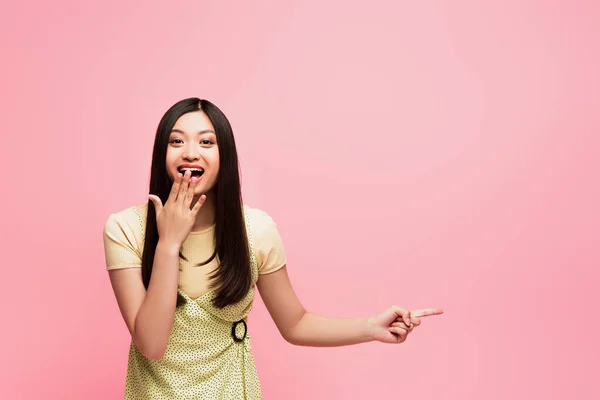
x=394, y=324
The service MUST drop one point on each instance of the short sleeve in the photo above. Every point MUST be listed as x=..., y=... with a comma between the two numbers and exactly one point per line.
x=268, y=245
x=120, y=244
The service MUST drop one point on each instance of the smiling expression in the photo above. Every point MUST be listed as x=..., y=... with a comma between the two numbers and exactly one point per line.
x=193, y=145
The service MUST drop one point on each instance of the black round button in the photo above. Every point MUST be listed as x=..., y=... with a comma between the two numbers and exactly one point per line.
x=233, y=329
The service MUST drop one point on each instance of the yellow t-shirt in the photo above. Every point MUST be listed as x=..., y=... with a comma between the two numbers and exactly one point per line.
x=124, y=244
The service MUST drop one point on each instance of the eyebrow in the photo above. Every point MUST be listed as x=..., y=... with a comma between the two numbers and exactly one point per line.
x=199, y=133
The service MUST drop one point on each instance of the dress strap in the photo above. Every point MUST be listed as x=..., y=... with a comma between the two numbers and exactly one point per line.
x=247, y=218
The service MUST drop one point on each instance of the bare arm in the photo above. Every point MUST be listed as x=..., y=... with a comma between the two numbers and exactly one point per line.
x=299, y=327
x=149, y=314
x=303, y=328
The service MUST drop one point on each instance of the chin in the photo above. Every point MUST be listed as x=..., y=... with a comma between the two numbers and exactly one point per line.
x=202, y=189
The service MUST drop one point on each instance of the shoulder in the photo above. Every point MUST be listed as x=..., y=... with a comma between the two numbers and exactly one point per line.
x=268, y=244
x=129, y=220
x=262, y=229
x=124, y=237
x=259, y=221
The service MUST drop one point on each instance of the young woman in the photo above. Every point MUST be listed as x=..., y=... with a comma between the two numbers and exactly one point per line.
x=185, y=266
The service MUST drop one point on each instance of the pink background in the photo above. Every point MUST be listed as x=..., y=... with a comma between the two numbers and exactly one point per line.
x=424, y=153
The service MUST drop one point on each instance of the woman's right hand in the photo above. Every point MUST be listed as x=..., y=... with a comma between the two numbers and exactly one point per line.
x=175, y=219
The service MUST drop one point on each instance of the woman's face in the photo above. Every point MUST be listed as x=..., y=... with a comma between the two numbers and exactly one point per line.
x=193, y=145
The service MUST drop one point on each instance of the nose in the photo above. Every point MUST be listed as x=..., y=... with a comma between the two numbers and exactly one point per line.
x=191, y=153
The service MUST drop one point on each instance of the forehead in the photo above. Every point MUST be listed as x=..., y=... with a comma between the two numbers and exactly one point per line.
x=193, y=122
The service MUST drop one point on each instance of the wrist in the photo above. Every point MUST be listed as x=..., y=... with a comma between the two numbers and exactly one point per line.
x=168, y=247
x=370, y=328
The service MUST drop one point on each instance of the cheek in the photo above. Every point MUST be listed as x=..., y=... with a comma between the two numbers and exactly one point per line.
x=214, y=163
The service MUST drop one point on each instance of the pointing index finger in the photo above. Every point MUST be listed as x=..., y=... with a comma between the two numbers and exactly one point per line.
x=425, y=312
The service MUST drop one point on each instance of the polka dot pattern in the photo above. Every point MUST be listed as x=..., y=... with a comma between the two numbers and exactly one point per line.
x=202, y=360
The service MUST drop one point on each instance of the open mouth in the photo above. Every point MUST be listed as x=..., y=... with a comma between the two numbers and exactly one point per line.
x=197, y=172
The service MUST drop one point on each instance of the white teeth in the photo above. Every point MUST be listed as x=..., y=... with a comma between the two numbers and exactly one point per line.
x=191, y=169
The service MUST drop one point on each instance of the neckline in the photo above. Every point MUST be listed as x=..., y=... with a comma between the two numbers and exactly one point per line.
x=205, y=230
x=185, y=296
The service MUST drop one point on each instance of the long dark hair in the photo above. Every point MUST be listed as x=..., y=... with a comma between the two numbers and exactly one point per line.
x=232, y=279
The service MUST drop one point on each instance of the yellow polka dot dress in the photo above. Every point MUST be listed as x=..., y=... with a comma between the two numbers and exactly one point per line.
x=208, y=354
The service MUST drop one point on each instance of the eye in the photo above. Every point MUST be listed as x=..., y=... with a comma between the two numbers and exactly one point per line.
x=176, y=141
x=206, y=142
